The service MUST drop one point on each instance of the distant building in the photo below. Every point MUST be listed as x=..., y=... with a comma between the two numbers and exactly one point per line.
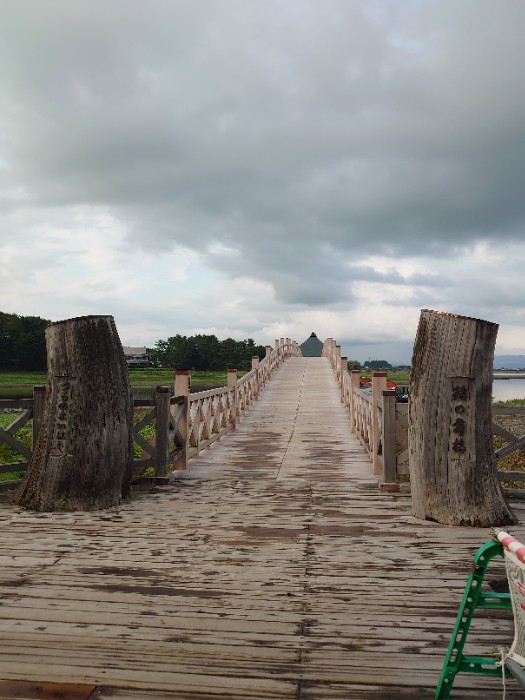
x=313, y=347
x=137, y=357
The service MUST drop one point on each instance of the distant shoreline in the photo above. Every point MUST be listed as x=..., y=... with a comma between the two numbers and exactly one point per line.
x=509, y=374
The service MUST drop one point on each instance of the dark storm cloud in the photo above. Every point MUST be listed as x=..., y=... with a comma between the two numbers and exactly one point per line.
x=300, y=135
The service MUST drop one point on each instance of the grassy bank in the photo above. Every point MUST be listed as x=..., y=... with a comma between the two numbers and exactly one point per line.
x=19, y=385
x=397, y=377
x=7, y=453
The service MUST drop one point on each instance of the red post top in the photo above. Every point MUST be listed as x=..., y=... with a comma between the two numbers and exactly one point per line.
x=379, y=374
x=232, y=371
x=183, y=372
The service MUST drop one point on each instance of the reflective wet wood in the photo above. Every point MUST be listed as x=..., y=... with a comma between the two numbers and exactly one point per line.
x=272, y=568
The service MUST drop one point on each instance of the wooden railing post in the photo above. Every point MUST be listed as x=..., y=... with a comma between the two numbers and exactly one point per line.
x=378, y=385
x=343, y=366
x=232, y=384
x=355, y=381
x=182, y=388
x=255, y=366
x=337, y=359
x=162, y=404
x=268, y=350
x=389, y=442
x=39, y=403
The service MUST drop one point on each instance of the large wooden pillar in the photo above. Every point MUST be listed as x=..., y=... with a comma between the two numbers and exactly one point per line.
x=83, y=456
x=452, y=467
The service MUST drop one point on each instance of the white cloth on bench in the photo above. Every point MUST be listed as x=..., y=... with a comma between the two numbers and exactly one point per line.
x=514, y=552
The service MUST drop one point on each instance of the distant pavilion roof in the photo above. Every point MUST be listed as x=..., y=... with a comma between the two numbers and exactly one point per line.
x=313, y=347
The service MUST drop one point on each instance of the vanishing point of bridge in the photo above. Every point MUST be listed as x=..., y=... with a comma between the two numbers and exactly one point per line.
x=272, y=568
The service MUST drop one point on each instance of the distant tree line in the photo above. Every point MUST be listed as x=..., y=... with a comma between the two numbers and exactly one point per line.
x=22, y=343
x=23, y=347
x=369, y=365
x=206, y=353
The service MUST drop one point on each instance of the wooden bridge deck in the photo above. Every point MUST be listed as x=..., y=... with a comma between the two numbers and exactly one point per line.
x=272, y=568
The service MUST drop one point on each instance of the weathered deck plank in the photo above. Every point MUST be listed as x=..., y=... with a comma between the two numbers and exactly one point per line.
x=272, y=568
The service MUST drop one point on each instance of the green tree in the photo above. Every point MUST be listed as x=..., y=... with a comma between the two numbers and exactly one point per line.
x=377, y=364
x=206, y=353
x=353, y=364
x=22, y=342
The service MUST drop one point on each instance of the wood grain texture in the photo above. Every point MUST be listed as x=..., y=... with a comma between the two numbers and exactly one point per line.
x=271, y=568
x=452, y=466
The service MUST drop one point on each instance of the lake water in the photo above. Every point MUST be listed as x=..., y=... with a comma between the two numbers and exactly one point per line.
x=507, y=389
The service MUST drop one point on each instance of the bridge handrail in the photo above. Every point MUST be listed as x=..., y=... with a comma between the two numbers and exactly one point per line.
x=184, y=424
x=372, y=413
x=377, y=430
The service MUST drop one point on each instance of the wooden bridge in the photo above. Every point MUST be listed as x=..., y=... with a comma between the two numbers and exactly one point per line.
x=272, y=568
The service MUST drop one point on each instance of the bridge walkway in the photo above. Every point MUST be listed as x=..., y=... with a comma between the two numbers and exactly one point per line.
x=272, y=568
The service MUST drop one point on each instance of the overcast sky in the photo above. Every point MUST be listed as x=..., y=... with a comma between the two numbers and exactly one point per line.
x=264, y=168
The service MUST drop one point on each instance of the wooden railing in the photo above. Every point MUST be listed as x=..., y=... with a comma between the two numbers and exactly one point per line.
x=212, y=414
x=163, y=411
x=183, y=424
x=381, y=424
x=372, y=414
x=513, y=443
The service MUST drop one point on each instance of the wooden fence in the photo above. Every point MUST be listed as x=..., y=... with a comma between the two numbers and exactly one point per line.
x=381, y=423
x=372, y=414
x=183, y=424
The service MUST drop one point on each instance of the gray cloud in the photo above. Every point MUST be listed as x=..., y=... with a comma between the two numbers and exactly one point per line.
x=302, y=137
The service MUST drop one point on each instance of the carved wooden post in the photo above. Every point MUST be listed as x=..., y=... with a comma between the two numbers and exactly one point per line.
x=452, y=467
x=182, y=388
x=39, y=405
x=378, y=386
x=268, y=350
x=83, y=455
x=389, y=442
x=162, y=403
x=232, y=384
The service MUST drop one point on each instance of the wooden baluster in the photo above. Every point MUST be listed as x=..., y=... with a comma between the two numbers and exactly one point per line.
x=267, y=364
x=355, y=381
x=182, y=388
x=389, y=442
x=232, y=385
x=162, y=405
x=206, y=419
x=378, y=386
x=343, y=369
x=337, y=362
